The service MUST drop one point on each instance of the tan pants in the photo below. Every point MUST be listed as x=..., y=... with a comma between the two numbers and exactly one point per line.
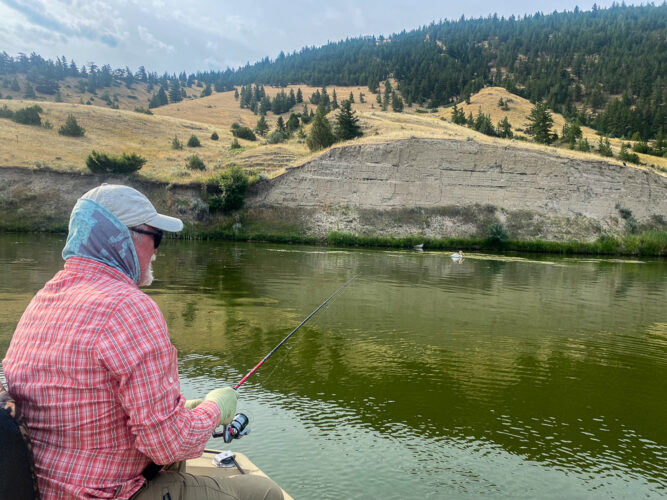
x=176, y=484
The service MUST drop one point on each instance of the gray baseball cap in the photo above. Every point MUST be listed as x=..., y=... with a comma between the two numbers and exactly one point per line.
x=131, y=207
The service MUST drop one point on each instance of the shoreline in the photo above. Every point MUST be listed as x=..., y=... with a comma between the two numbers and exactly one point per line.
x=646, y=244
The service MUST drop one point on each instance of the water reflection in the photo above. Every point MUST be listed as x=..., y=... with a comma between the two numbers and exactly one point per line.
x=494, y=377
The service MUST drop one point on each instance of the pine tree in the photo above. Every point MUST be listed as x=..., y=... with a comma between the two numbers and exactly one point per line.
x=458, y=116
x=236, y=94
x=159, y=99
x=604, y=147
x=387, y=92
x=129, y=77
x=305, y=116
x=262, y=127
x=280, y=124
x=583, y=145
x=347, y=123
x=29, y=92
x=334, y=100
x=570, y=133
x=207, y=91
x=141, y=74
x=299, y=96
x=624, y=155
x=351, y=99
x=320, y=135
x=396, y=102
x=292, y=123
x=540, y=122
x=264, y=105
x=387, y=95
x=325, y=101
x=483, y=124
x=504, y=129
x=175, y=91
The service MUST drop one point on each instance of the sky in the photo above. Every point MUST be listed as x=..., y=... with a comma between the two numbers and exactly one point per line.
x=202, y=35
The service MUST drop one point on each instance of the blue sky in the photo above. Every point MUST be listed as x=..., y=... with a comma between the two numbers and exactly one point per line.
x=182, y=35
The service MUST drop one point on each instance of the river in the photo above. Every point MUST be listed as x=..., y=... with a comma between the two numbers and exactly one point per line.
x=493, y=377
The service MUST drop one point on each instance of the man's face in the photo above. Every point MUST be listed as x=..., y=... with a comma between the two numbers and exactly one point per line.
x=146, y=254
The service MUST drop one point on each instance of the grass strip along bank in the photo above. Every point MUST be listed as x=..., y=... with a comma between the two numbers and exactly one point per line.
x=647, y=244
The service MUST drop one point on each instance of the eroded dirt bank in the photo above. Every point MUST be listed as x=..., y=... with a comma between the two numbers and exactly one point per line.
x=436, y=188
x=43, y=199
x=445, y=188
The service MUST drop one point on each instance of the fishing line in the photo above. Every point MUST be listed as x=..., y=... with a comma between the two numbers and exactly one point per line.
x=281, y=359
x=238, y=426
x=249, y=374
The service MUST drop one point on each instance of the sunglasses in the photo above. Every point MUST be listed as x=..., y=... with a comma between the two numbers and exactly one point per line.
x=157, y=235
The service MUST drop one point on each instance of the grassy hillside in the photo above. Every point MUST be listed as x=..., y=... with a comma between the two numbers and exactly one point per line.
x=124, y=130
x=118, y=94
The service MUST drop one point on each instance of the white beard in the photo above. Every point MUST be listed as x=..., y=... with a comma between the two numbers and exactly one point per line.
x=147, y=276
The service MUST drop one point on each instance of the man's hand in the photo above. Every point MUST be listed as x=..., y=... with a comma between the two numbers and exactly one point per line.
x=225, y=398
x=191, y=404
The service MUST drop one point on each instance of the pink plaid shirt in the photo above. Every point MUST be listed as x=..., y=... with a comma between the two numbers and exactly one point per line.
x=96, y=376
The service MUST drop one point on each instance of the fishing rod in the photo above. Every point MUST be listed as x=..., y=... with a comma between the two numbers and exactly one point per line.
x=237, y=427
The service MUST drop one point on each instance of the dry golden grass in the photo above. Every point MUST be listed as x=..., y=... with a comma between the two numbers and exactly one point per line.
x=118, y=131
x=519, y=108
x=114, y=132
x=124, y=98
x=221, y=109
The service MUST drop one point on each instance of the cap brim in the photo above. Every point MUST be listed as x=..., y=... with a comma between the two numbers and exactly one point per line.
x=165, y=223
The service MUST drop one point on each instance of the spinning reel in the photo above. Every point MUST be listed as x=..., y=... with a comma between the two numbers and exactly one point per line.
x=235, y=429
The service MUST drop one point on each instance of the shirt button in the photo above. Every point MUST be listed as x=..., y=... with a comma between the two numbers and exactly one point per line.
x=171, y=380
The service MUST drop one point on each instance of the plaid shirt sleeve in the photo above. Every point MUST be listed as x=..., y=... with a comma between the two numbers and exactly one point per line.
x=143, y=363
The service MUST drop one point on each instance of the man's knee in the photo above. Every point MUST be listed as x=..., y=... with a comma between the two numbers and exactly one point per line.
x=257, y=488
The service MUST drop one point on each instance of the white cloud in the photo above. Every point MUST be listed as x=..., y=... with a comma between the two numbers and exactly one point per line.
x=154, y=44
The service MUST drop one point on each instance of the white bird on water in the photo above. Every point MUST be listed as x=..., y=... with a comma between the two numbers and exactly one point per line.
x=457, y=256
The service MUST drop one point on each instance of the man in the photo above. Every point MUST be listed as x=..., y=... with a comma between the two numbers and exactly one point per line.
x=93, y=370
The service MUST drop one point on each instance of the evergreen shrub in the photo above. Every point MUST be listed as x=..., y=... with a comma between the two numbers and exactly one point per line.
x=244, y=133
x=195, y=163
x=176, y=143
x=71, y=128
x=28, y=116
x=102, y=163
x=5, y=112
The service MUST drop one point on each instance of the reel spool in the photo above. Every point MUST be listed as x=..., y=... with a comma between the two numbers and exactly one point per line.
x=235, y=429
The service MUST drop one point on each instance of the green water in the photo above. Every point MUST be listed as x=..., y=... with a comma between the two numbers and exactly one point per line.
x=496, y=377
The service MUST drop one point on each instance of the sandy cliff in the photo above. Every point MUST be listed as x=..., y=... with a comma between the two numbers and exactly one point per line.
x=453, y=188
